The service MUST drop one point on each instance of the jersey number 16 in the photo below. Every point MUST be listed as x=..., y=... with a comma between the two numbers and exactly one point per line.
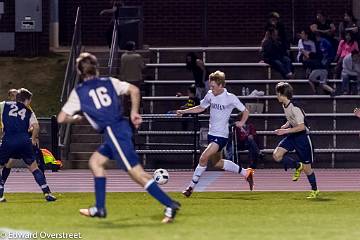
x=100, y=97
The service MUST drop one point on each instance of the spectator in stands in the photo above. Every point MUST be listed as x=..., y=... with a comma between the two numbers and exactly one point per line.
x=275, y=23
x=273, y=54
x=132, y=64
x=200, y=73
x=306, y=46
x=115, y=11
x=325, y=27
x=346, y=46
x=324, y=50
x=349, y=24
x=319, y=77
x=246, y=140
x=351, y=70
x=193, y=100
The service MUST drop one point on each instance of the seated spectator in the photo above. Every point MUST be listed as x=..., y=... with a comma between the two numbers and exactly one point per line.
x=351, y=70
x=325, y=27
x=193, y=99
x=273, y=54
x=275, y=23
x=305, y=46
x=245, y=140
x=200, y=73
x=324, y=51
x=349, y=24
x=346, y=46
x=319, y=77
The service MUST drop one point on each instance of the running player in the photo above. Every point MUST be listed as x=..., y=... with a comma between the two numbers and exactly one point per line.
x=98, y=99
x=221, y=104
x=17, y=118
x=297, y=138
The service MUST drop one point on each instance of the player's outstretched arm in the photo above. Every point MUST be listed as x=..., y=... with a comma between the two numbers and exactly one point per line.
x=298, y=128
x=196, y=109
x=35, y=134
x=244, y=118
x=135, y=117
x=66, y=118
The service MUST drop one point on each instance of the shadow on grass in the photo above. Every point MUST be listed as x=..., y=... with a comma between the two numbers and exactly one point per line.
x=246, y=198
x=127, y=222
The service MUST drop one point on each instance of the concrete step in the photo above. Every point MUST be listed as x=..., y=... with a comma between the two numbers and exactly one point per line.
x=86, y=138
x=84, y=147
x=82, y=129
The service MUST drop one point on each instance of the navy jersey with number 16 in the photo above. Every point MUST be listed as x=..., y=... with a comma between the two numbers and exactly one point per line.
x=98, y=99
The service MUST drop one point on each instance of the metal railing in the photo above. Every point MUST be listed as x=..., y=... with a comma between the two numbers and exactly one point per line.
x=157, y=144
x=114, y=49
x=71, y=76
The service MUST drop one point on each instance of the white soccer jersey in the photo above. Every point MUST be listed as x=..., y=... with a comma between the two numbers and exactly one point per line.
x=294, y=114
x=221, y=107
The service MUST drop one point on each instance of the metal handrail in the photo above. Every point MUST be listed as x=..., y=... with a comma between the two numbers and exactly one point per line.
x=71, y=76
x=114, y=47
x=315, y=132
x=181, y=49
x=157, y=82
x=220, y=64
x=166, y=116
x=159, y=98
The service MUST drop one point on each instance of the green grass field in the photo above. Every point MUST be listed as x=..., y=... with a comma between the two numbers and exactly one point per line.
x=236, y=215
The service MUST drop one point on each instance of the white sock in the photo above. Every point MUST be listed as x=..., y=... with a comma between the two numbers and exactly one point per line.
x=196, y=176
x=231, y=166
x=243, y=172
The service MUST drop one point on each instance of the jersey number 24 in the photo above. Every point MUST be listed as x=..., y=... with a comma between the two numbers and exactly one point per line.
x=14, y=111
x=100, y=97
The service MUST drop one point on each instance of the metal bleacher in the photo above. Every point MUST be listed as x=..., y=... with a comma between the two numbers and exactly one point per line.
x=335, y=130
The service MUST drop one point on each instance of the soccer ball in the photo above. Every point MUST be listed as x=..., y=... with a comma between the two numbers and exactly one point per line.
x=161, y=176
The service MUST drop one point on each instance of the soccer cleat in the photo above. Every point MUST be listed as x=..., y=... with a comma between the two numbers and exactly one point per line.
x=170, y=212
x=313, y=194
x=49, y=197
x=93, y=212
x=2, y=199
x=250, y=177
x=188, y=191
x=297, y=172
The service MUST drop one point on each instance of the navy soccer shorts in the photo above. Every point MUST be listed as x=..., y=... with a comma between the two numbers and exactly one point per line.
x=218, y=140
x=301, y=143
x=118, y=146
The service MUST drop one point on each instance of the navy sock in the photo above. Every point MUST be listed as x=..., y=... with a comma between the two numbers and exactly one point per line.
x=155, y=191
x=288, y=162
x=100, y=191
x=41, y=181
x=5, y=174
x=1, y=187
x=312, y=181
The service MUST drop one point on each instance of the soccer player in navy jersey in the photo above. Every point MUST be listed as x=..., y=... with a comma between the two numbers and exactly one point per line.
x=296, y=138
x=98, y=99
x=17, y=118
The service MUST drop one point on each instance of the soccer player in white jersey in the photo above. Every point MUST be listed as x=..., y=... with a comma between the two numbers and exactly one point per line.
x=297, y=138
x=221, y=104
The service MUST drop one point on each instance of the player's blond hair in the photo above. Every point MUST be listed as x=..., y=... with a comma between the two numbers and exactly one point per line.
x=87, y=65
x=218, y=77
